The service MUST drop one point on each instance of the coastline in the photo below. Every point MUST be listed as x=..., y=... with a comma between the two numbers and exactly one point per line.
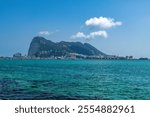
x=12, y=58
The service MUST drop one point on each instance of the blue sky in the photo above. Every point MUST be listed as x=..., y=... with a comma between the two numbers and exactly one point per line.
x=59, y=20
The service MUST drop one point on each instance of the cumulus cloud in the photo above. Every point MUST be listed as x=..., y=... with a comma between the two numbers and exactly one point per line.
x=45, y=33
x=92, y=35
x=78, y=35
x=103, y=22
x=98, y=34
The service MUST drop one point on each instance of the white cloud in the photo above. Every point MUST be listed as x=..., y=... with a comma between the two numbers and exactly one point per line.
x=92, y=35
x=103, y=22
x=45, y=33
x=98, y=34
x=78, y=35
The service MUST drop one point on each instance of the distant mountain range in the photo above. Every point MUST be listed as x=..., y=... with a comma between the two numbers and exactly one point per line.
x=41, y=47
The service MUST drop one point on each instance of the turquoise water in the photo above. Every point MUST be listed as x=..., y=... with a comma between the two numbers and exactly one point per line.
x=74, y=79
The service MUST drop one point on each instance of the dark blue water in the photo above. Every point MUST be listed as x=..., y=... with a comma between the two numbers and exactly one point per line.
x=75, y=79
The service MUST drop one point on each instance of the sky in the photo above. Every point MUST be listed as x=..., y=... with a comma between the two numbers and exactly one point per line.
x=115, y=27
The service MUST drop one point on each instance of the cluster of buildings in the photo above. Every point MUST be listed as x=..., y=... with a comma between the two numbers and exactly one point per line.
x=75, y=56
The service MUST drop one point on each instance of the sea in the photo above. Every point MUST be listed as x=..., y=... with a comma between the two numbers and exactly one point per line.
x=74, y=79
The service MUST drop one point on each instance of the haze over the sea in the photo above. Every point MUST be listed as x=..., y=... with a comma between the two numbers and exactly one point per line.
x=116, y=27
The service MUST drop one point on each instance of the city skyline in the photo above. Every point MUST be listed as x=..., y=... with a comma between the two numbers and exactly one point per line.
x=112, y=26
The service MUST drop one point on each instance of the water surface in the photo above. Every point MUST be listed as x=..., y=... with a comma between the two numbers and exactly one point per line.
x=74, y=79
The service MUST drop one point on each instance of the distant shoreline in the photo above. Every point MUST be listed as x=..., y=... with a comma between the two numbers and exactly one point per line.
x=12, y=58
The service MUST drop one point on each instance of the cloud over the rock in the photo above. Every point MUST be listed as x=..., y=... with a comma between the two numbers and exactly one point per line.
x=103, y=22
x=100, y=33
x=92, y=35
x=44, y=33
x=78, y=35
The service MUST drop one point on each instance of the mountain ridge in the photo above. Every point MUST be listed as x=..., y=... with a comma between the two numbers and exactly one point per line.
x=41, y=47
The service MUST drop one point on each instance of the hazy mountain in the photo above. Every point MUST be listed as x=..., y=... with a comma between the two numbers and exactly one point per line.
x=41, y=47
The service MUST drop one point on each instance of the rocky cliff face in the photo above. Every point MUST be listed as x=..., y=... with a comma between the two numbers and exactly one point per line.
x=41, y=47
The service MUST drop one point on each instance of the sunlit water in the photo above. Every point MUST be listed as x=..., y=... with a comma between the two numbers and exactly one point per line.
x=74, y=79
